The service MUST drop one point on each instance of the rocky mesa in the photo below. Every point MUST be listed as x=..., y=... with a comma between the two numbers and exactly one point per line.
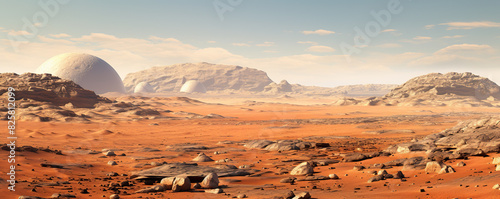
x=214, y=77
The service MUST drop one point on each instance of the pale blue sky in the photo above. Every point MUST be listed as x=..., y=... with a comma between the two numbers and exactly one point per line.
x=427, y=36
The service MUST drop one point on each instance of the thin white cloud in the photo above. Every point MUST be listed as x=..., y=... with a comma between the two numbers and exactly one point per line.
x=62, y=35
x=320, y=49
x=240, y=44
x=417, y=40
x=270, y=51
x=421, y=38
x=211, y=42
x=389, y=45
x=53, y=41
x=389, y=30
x=172, y=40
x=458, y=55
x=18, y=32
x=428, y=27
x=267, y=43
x=318, y=32
x=308, y=42
x=453, y=37
x=471, y=25
x=469, y=48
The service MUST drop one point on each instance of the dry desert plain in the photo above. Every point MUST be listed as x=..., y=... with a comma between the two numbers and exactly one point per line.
x=68, y=157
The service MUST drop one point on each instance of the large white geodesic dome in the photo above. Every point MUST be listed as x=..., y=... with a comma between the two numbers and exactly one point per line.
x=88, y=71
x=193, y=86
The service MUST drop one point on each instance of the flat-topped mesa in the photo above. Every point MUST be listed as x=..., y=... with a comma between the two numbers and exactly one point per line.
x=450, y=84
x=215, y=77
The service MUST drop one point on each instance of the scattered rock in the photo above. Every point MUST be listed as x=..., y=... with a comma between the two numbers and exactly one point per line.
x=497, y=186
x=435, y=167
x=496, y=160
x=168, y=182
x=313, y=178
x=303, y=168
x=109, y=153
x=399, y=175
x=358, y=168
x=460, y=164
x=114, y=196
x=241, y=196
x=214, y=191
x=288, y=180
x=181, y=183
x=155, y=188
x=202, y=158
x=333, y=176
x=376, y=178
x=382, y=172
x=210, y=181
x=112, y=163
x=303, y=195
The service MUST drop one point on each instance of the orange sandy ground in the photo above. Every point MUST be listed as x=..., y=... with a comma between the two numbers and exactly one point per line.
x=132, y=135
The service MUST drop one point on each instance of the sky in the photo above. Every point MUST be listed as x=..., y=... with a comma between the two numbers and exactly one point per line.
x=321, y=42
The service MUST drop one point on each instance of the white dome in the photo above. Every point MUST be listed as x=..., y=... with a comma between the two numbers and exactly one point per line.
x=88, y=71
x=192, y=86
x=144, y=87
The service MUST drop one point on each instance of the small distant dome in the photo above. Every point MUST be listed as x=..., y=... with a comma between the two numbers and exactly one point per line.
x=193, y=86
x=144, y=87
x=88, y=71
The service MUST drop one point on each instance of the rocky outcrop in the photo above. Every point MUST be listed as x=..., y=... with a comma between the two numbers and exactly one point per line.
x=282, y=87
x=436, y=89
x=214, y=77
x=48, y=88
x=468, y=138
x=450, y=89
x=452, y=84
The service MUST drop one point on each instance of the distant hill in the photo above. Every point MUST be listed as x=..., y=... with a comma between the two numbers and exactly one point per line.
x=436, y=89
x=214, y=77
x=453, y=84
x=230, y=79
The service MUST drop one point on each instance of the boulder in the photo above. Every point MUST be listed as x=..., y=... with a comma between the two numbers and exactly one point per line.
x=211, y=181
x=434, y=167
x=399, y=175
x=303, y=195
x=496, y=160
x=214, y=191
x=181, y=183
x=496, y=186
x=168, y=182
x=333, y=176
x=376, y=178
x=303, y=168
